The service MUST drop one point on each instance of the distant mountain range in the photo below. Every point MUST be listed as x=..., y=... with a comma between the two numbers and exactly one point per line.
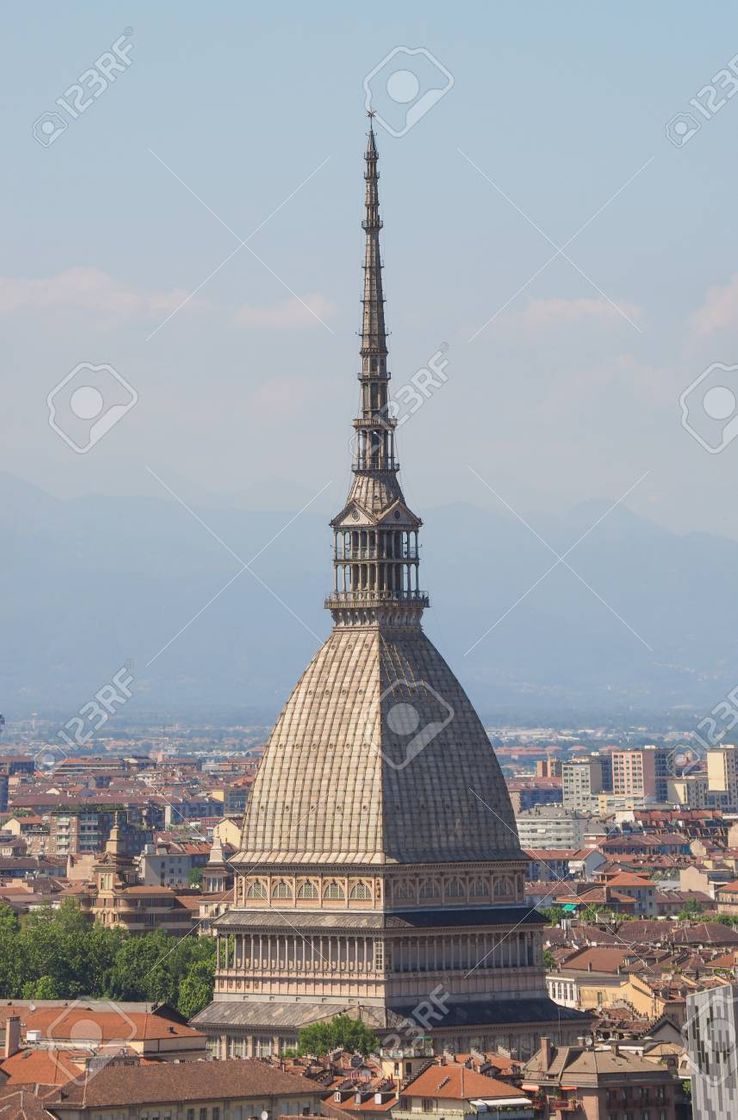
x=92, y=583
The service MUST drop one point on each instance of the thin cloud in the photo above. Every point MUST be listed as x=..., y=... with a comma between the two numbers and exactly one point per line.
x=83, y=289
x=288, y=314
x=542, y=314
x=719, y=310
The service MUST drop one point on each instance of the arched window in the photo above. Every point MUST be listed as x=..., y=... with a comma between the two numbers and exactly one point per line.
x=429, y=888
x=281, y=889
x=479, y=889
x=503, y=887
x=360, y=891
x=256, y=889
x=307, y=889
x=333, y=890
x=455, y=888
x=404, y=889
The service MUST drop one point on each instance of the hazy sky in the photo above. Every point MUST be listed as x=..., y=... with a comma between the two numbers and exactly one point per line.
x=231, y=122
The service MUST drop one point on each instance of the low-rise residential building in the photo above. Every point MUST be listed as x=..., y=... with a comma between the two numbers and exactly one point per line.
x=455, y=1092
x=228, y=831
x=726, y=895
x=642, y=891
x=658, y=994
x=709, y=880
x=170, y=863
x=591, y=978
x=235, y=1088
x=598, y=1082
x=548, y=864
x=155, y=1033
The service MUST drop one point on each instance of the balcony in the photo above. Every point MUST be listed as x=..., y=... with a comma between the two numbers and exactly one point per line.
x=564, y=1104
x=371, y=552
x=372, y=597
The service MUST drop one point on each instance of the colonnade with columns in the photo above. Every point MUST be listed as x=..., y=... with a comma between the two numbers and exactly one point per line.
x=311, y=963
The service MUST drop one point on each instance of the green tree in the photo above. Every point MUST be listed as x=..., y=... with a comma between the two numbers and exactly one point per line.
x=143, y=971
x=43, y=988
x=344, y=1032
x=195, y=877
x=60, y=954
x=8, y=919
x=549, y=960
x=196, y=989
x=153, y=967
x=691, y=911
x=552, y=914
x=10, y=964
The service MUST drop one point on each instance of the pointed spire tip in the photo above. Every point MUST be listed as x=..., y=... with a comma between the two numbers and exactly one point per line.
x=371, y=147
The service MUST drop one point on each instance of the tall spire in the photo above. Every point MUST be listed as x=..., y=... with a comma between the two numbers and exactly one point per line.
x=373, y=333
x=376, y=555
x=375, y=428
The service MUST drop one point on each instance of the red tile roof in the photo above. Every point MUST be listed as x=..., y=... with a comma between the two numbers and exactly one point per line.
x=455, y=1082
x=43, y=1067
x=60, y=1021
x=625, y=879
x=119, y=1086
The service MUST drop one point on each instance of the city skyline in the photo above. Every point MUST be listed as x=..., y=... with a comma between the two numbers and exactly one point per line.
x=261, y=808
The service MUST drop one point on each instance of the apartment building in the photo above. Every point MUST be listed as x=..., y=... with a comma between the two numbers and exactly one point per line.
x=641, y=773
x=552, y=826
x=581, y=782
x=722, y=775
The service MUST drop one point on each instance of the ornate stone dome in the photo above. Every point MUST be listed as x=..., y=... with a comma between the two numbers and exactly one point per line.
x=379, y=758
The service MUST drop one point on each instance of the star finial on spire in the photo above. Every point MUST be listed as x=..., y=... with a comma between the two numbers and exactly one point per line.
x=371, y=148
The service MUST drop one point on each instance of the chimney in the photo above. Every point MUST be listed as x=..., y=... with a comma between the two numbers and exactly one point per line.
x=546, y=1052
x=12, y=1035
